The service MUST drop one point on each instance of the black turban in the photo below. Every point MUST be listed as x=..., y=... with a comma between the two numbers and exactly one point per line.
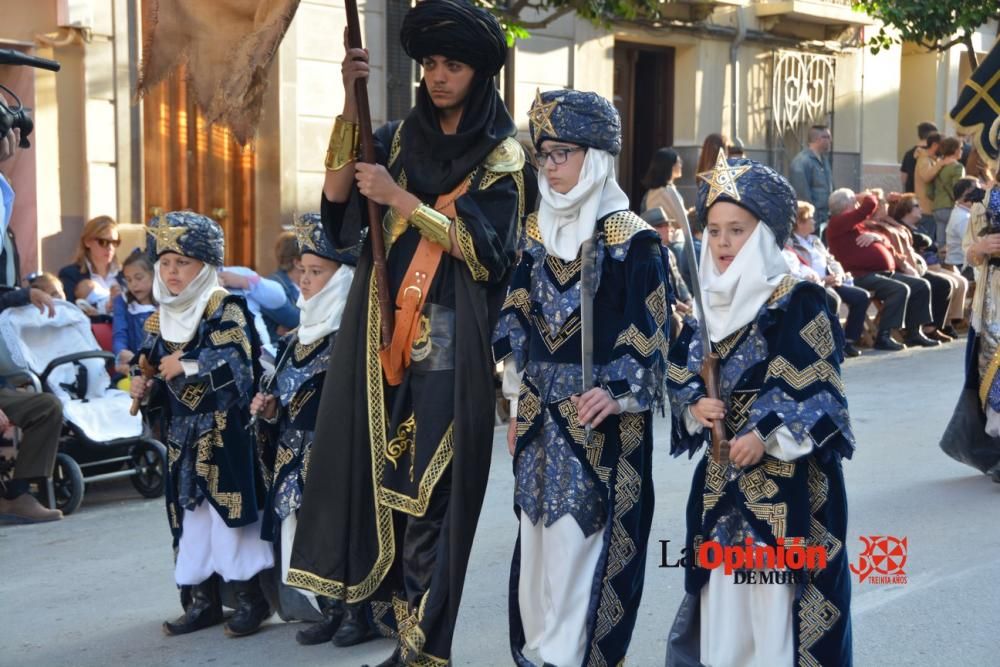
x=456, y=30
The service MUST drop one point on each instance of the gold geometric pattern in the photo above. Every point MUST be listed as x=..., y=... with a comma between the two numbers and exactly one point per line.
x=529, y=406
x=679, y=374
x=468, y=246
x=819, y=487
x=303, y=351
x=282, y=458
x=520, y=299
x=232, y=335
x=645, y=345
x=531, y=229
x=299, y=401
x=435, y=468
x=715, y=476
x=756, y=486
x=623, y=225
x=722, y=180
x=563, y=272
x=818, y=371
x=396, y=144
x=192, y=395
x=775, y=514
x=216, y=299
x=818, y=334
x=167, y=237
x=778, y=468
x=233, y=313
x=738, y=414
x=568, y=330
x=820, y=536
x=816, y=616
x=708, y=501
x=784, y=287
x=728, y=344
x=152, y=324
x=576, y=431
x=540, y=115
x=656, y=304
x=231, y=502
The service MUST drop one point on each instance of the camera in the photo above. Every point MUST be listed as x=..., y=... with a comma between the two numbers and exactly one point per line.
x=16, y=117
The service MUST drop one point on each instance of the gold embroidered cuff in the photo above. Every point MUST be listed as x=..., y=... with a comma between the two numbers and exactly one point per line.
x=343, y=147
x=432, y=224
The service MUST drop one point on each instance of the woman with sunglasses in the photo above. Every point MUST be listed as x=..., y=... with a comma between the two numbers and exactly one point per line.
x=95, y=261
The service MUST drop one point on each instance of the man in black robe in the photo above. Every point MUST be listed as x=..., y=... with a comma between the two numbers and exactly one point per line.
x=404, y=438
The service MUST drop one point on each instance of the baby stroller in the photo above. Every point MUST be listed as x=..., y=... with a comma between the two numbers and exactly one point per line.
x=100, y=440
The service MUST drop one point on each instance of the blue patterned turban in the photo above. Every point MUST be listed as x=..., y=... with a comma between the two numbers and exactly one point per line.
x=576, y=117
x=312, y=238
x=753, y=186
x=186, y=233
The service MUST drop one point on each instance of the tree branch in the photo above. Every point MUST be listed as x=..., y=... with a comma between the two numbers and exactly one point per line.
x=545, y=22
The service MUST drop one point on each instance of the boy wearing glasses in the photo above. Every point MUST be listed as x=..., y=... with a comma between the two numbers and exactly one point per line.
x=581, y=444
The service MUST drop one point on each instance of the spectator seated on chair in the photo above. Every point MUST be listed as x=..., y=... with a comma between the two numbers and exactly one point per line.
x=870, y=258
x=814, y=262
x=39, y=416
x=95, y=262
x=131, y=309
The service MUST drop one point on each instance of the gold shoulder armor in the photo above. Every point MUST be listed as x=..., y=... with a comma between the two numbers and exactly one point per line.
x=531, y=228
x=214, y=301
x=623, y=225
x=506, y=158
x=152, y=324
x=784, y=287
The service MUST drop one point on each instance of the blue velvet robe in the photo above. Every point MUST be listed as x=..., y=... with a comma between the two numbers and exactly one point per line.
x=780, y=370
x=605, y=485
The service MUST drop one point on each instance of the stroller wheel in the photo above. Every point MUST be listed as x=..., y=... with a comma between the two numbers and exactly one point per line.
x=149, y=458
x=67, y=483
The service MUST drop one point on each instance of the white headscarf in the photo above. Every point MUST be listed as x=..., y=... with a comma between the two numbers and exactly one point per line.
x=732, y=299
x=180, y=315
x=567, y=220
x=320, y=314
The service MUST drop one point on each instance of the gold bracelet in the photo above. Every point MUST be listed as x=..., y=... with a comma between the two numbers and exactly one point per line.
x=434, y=225
x=343, y=147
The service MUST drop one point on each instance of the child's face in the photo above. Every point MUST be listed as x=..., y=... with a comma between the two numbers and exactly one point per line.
x=316, y=273
x=564, y=176
x=139, y=282
x=729, y=226
x=177, y=271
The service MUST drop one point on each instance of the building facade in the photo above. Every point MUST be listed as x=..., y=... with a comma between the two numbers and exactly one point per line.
x=762, y=71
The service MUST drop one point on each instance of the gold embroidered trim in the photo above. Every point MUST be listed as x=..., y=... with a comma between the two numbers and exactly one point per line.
x=623, y=225
x=679, y=374
x=725, y=346
x=396, y=144
x=775, y=514
x=569, y=329
x=738, y=413
x=233, y=335
x=819, y=335
x=299, y=401
x=468, y=246
x=987, y=381
x=193, y=394
x=531, y=229
x=406, y=432
x=645, y=345
x=152, y=323
x=818, y=371
x=784, y=287
x=520, y=299
x=529, y=406
x=756, y=486
x=435, y=469
x=562, y=271
x=283, y=457
x=383, y=514
x=817, y=616
x=303, y=351
x=656, y=304
x=214, y=301
x=778, y=468
x=230, y=502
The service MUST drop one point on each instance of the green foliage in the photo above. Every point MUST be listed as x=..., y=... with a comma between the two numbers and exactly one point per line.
x=512, y=13
x=934, y=24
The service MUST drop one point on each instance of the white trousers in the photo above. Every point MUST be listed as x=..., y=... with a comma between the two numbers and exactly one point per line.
x=557, y=570
x=288, y=526
x=208, y=546
x=746, y=625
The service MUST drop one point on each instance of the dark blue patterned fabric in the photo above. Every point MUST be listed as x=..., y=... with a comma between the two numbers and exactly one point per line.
x=186, y=233
x=312, y=238
x=780, y=371
x=577, y=117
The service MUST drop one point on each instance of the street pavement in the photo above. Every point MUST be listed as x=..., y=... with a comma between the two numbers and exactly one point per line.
x=94, y=588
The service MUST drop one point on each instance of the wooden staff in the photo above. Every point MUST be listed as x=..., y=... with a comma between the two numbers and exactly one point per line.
x=368, y=155
x=710, y=374
x=147, y=372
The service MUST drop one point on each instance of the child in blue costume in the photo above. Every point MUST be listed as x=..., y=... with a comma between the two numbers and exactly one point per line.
x=582, y=447
x=202, y=342
x=784, y=412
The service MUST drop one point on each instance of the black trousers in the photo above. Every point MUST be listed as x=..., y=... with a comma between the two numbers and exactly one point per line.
x=940, y=297
x=421, y=538
x=857, y=308
x=906, y=299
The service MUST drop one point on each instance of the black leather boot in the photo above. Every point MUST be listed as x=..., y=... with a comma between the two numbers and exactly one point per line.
x=204, y=609
x=355, y=628
x=394, y=660
x=322, y=631
x=251, y=608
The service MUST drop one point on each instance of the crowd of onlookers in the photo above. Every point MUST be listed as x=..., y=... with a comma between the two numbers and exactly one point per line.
x=892, y=263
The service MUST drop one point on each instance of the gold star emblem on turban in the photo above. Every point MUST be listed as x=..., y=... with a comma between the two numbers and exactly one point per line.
x=167, y=237
x=722, y=179
x=540, y=114
x=304, y=234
